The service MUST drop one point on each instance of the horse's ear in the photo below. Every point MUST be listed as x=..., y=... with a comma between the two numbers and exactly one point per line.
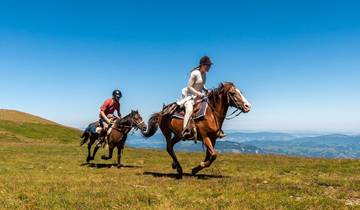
x=221, y=85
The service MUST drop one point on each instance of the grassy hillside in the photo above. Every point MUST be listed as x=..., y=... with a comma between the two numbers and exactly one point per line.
x=50, y=174
x=22, y=117
x=22, y=127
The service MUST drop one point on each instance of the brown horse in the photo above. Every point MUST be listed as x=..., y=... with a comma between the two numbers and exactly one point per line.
x=117, y=136
x=219, y=100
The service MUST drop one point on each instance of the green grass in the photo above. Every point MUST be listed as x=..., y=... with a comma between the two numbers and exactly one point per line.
x=41, y=168
x=37, y=132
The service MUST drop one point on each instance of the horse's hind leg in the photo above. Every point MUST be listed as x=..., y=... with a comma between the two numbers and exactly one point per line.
x=97, y=147
x=170, y=149
x=91, y=142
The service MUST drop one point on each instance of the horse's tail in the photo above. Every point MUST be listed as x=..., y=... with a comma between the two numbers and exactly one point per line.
x=84, y=137
x=153, y=125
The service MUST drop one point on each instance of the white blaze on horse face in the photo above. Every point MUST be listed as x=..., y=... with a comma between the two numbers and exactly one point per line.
x=243, y=99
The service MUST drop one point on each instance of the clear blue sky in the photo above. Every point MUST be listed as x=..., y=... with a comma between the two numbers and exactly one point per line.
x=298, y=62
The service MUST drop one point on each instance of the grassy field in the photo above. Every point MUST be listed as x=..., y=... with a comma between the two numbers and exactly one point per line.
x=41, y=170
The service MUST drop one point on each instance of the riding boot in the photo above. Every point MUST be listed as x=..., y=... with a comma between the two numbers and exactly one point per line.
x=186, y=133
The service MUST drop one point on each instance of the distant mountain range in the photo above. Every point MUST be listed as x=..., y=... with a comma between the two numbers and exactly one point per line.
x=159, y=142
x=258, y=136
x=328, y=146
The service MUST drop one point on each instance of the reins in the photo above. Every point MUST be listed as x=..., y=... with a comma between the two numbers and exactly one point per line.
x=230, y=116
x=131, y=126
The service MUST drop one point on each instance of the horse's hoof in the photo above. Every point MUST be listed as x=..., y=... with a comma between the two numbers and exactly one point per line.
x=179, y=176
x=180, y=171
x=88, y=159
x=195, y=170
x=120, y=165
x=173, y=165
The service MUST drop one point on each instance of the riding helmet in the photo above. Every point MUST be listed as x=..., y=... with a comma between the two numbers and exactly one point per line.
x=117, y=93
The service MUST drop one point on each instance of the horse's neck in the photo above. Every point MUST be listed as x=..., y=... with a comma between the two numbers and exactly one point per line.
x=221, y=107
x=125, y=121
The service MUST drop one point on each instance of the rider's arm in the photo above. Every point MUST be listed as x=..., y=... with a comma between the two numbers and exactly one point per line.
x=102, y=111
x=205, y=89
x=191, y=82
x=118, y=111
x=104, y=117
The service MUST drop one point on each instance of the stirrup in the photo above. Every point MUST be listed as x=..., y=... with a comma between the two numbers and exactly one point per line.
x=186, y=134
x=105, y=141
x=221, y=134
x=100, y=142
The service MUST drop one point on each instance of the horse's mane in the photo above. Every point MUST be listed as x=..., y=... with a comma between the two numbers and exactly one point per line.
x=125, y=119
x=218, y=90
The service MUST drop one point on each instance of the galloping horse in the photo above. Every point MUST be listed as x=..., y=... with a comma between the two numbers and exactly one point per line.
x=117, y=136
x=208, y=128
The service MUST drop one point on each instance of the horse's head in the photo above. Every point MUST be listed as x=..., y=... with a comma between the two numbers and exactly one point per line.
x=137, y=120
x=235, y=97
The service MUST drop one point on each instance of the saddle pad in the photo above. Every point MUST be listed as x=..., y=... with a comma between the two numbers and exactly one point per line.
x=92, y=127
x=198, y=112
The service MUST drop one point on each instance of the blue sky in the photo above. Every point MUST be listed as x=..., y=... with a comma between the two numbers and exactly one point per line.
x=296, y=61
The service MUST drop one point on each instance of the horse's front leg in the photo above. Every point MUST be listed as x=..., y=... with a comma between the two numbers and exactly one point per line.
x=111, y=149
x=119, y=151
x=211, y=155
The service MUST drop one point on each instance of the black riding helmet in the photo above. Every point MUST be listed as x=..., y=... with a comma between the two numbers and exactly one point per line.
x=117, y=93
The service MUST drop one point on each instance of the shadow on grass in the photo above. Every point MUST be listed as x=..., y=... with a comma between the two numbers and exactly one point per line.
x=175, y=175
x=108, y=165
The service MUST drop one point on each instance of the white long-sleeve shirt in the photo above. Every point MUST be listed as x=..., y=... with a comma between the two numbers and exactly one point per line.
x=196, y=83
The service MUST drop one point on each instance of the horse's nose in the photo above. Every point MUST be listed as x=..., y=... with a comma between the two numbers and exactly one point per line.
x=247, y=107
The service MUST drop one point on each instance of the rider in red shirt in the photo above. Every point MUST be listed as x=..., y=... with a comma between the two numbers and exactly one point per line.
x=107, y=110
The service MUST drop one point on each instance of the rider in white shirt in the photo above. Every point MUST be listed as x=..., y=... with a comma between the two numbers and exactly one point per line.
x=195, y=90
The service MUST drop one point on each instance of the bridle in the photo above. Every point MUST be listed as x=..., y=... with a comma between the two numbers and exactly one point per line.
x=239, y=110
x=230, y=116
x=131, y=126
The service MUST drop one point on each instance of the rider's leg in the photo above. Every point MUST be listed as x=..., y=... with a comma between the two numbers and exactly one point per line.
x=188, y=112
x=99, y=130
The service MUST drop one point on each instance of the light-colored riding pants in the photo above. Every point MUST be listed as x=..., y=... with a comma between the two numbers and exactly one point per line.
x=189, y=106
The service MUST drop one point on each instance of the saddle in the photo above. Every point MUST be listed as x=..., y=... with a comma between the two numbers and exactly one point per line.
x=176, y=111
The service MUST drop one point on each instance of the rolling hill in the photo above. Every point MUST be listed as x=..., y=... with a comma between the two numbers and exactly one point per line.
x=18, y=126
x=42, y=167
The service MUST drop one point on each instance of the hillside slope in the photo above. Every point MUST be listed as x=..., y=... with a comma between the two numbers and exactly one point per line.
x=18, y=126
x=22, y=117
